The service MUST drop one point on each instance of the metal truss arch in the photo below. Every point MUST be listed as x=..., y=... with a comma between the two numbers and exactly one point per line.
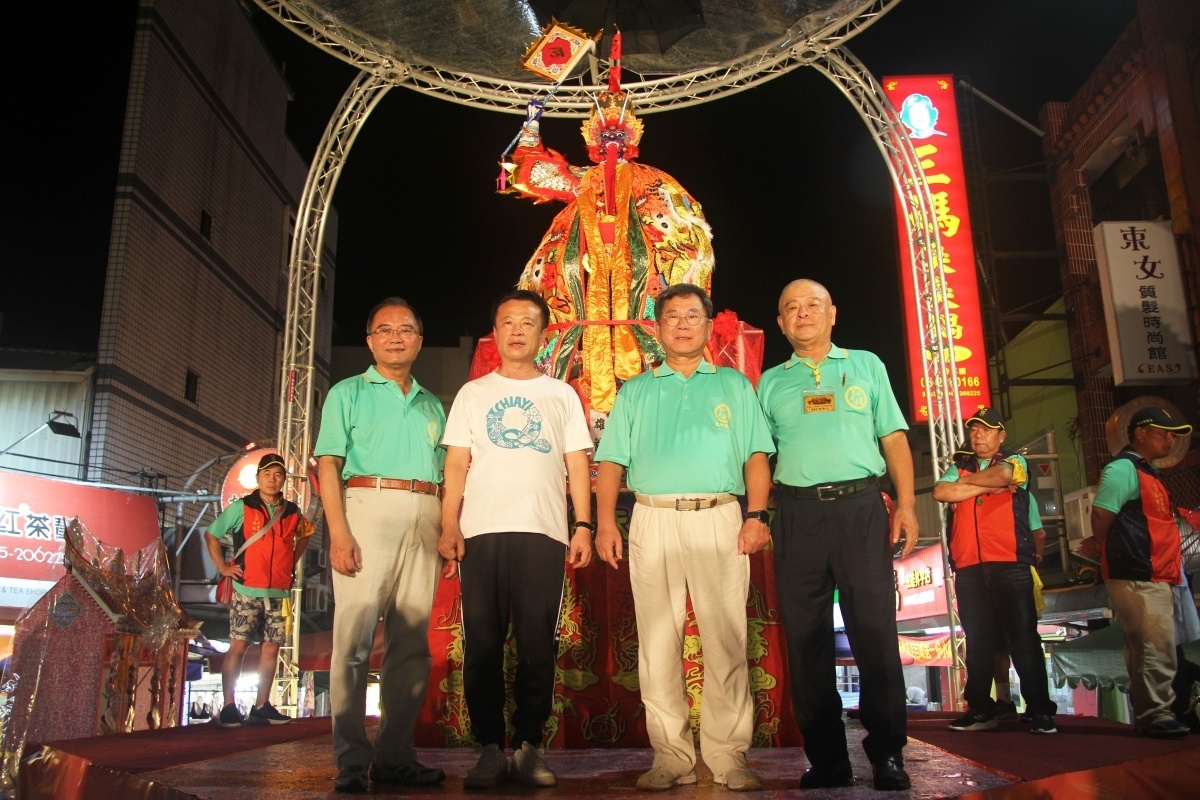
x=796, y=48
x=926, y=259
x=824, y=50
x=299, y=336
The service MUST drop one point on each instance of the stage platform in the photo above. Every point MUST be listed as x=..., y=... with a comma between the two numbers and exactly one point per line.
x=1087, y=758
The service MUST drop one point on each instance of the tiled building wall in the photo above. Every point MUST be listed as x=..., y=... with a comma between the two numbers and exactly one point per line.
x=198, y=259
x=1139, y=85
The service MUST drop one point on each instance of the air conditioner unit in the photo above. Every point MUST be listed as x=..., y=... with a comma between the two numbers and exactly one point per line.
x=1077, y=512
x=316, y=599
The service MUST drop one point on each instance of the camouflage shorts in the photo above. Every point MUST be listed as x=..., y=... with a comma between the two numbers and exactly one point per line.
x=257, y=618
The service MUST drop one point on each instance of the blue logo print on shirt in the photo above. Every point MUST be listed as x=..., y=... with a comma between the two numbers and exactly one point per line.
x=515, y=422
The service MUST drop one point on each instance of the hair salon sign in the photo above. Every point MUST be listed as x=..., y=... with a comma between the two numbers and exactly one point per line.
x=1144, y=306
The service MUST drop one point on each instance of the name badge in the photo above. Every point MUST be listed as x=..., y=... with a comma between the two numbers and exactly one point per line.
x=819, y=401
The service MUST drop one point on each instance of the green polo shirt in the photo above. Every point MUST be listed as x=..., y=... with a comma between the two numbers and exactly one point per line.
x=232, y=518
x=678, y=435
x=837, y=445
x=1119, y=483
x=382, y=432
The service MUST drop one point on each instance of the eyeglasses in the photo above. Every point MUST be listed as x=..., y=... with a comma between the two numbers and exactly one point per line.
x=692, y=319
x=404, y=331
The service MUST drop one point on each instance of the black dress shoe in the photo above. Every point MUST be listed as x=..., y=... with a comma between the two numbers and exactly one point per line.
x=827, y=777
x=890, y=775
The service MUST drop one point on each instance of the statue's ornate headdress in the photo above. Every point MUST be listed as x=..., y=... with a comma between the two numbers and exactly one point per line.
x=612, y=120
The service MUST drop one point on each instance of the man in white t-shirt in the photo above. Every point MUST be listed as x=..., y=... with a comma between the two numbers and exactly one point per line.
x=514, y=429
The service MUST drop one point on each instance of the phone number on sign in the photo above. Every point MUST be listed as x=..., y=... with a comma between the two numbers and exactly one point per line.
x=34, y=554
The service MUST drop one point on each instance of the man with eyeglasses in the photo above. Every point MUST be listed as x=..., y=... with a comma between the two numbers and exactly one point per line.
x=832, y=412
x=381, y=474
x=693, y=438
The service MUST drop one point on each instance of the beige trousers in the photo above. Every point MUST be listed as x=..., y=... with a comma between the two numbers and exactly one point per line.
x=398, y=533
x=673, y=554
x=1146, y=610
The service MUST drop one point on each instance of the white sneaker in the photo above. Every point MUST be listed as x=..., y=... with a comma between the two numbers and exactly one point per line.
x=528, y=767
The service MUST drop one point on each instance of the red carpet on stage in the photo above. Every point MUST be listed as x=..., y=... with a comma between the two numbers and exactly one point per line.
x=1087, y=758
x=1082, y=743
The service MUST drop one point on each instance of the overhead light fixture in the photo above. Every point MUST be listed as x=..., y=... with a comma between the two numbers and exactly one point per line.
x=56, y=423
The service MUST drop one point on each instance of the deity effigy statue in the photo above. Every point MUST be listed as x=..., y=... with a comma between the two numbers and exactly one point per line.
x=627, y=232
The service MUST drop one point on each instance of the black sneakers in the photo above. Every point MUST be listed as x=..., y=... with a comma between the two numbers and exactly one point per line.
x=267, y=715
x=1043, y=723
x=230, y=717
x=974, y=721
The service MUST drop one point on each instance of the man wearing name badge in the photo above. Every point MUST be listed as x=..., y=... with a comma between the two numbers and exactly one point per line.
x=692, y=437
x=380, y=473
x=992, y=550
x=1133, y=520
x=511, y=437
x=832, y=411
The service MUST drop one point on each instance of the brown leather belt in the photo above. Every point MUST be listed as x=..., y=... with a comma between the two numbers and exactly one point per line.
x=420, y=487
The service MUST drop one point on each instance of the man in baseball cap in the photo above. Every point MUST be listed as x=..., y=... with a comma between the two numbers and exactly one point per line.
x=1133, y=520
x=992, y=548
x=1155, y=417
x=272, y=460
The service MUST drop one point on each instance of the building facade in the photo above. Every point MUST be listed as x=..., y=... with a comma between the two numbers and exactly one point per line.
x=190, y=339
x=1127, y=147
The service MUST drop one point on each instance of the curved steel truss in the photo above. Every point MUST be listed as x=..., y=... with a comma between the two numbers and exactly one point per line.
x=299, y=334
x=824, y=51
x=573, y=99
x=925, y=260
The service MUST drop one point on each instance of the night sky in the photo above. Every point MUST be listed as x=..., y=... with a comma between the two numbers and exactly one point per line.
x=787, y=174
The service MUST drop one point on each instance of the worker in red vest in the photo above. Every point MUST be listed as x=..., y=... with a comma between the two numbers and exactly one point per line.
x=991, y=550
x=1133, y=520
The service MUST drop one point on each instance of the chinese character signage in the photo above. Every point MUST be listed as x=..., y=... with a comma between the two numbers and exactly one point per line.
x=927, y=109
x=920, y=585
x=34, y=514
x=1144, y=307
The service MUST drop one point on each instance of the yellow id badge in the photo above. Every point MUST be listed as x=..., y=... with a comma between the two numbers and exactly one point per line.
x=818, y=401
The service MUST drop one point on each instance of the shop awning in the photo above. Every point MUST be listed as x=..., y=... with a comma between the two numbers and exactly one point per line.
x=1098, y=659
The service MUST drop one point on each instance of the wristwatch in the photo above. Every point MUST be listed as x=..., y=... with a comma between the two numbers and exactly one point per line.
x=761, y=516
x=591, y=526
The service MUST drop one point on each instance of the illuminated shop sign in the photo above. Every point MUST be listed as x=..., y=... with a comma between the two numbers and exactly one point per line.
x=926, y=106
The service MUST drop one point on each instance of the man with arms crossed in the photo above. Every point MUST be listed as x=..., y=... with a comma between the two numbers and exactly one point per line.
x=262, y=574
x=831, y=411
x=380, y=470
x=693, y=438
x=507, y=439
x=992, y=549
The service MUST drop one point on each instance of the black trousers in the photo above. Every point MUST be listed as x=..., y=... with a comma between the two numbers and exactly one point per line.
x=995, y=604
x=842, y=544
x=518, y=575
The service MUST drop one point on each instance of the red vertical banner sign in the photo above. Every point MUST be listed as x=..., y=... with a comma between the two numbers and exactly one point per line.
x=927, y=108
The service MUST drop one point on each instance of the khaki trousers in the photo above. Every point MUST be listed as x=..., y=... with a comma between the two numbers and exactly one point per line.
x=673, y=554
x=398, y=533
x=1145, y=610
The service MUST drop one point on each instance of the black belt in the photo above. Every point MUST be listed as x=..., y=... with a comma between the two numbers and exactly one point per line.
x=829, y=491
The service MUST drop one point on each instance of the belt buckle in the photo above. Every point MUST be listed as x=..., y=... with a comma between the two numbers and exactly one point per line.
x=834, y=492
x=686, y=502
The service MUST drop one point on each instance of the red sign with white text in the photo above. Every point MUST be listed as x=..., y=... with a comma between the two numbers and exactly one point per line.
x=35, y=512
x=927, y=108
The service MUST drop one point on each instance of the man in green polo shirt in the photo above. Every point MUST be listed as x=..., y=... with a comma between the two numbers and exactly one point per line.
x=380, y=471
x=692, y=437
x=832, y=412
